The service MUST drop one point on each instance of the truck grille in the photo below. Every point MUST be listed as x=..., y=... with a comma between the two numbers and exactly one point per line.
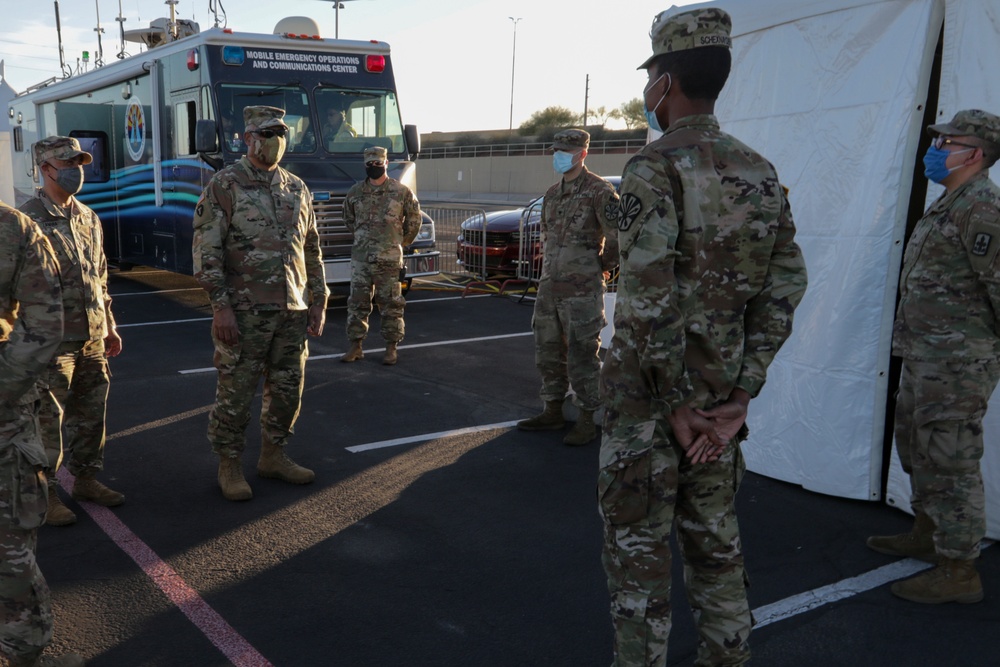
x=493, y=239
x=334, y=239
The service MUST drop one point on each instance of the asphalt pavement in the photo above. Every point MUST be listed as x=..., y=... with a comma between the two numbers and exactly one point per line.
x=435, y=533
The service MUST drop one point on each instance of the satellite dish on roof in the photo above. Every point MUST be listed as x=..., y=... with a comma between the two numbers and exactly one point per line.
x=296, y=25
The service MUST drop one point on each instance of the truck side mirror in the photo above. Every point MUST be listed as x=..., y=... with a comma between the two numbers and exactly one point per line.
x=206, y=137
x=412, y=140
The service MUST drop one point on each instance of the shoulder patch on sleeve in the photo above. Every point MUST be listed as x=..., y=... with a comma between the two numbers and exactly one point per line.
x=629, y=209
x=981, y=244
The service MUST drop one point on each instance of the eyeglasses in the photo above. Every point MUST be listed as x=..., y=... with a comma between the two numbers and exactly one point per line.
x=941, y=141
x=269, y=132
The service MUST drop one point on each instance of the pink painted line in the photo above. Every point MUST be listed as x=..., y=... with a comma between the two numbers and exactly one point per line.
x=207, y=620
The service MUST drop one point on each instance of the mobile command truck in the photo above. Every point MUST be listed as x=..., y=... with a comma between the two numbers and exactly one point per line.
x=161, y=123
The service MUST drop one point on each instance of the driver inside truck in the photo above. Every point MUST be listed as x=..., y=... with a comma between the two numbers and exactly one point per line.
x=336, y=127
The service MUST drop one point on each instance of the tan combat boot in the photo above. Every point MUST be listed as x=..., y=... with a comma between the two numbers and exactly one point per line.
x=354, y=352
x=918, y=543
x=58, y=514
x=550, y=419
x=65, y=660
x=391, y=357
x=275, y=464
x=88, y=488
x=950, y=581
x=583, y=430
x=231, y=480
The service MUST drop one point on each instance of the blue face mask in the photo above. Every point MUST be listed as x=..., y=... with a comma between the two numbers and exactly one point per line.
x=935, y=168
x=651, y=119
x=562, y=161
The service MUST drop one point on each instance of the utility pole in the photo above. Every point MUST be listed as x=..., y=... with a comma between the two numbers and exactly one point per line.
x=586, y=99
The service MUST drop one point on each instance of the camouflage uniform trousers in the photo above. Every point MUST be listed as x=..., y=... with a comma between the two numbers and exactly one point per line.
x=75, y=406
x=939, y=438
x=567, y=342
x=26, y=624
x=382, y=281
x=646, y=487
x=272, y=344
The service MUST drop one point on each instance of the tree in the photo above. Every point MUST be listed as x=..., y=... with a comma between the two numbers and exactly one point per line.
x=548, y=117
x=601, y=115
x=632, y=112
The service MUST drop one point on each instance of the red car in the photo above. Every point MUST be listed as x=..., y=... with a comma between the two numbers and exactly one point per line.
x=499, y=253
x=501, y=246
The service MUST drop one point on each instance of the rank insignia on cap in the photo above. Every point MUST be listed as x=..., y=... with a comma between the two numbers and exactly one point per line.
x=982, y=244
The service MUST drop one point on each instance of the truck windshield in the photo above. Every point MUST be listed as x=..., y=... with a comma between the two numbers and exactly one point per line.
x=233, y=97
x=349, y=119
x=354, y=119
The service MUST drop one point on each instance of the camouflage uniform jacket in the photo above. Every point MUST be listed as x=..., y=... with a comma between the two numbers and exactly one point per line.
x=710, y=273
x=949, y=301
x=256, y=245
x=77, y=237
x=579, y=235
x=31, y=313
x=383, y=219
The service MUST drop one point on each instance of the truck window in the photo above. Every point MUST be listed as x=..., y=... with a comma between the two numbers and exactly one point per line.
x=292, y=98
x=185, y=115
x=356, y=119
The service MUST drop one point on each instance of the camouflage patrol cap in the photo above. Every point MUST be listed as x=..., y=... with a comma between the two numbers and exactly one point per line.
x=60, y=148
x=262, y=117
x=679, y=31
x=570, y=140
x=376, y=154
x=971, y=123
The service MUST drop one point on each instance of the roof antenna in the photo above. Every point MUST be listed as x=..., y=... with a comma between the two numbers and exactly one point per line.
x=172, y=25
x=121, y=31
x=66, y=71
x=214, y=6
x=99, y=56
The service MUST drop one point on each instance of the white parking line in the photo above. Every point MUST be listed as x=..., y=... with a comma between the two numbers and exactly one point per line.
x=156, y=324
x=428, y=436
x=320, y=357
x=159, y=291
x=765, y=615
x=209, y=319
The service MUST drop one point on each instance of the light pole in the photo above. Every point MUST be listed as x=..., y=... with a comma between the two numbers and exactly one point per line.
x=513, y=61
x=337, y=6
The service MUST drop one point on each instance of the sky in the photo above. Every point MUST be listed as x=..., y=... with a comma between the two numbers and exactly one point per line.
x=452, y=58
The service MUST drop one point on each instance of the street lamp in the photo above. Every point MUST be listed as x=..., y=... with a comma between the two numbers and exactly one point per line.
x=513, y=60
x=337, y=6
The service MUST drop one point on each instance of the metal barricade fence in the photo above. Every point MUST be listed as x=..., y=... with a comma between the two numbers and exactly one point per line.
x=529, y=263
x=463, y=252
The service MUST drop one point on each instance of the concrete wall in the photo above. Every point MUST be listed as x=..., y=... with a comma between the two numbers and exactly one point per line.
x=513, y=179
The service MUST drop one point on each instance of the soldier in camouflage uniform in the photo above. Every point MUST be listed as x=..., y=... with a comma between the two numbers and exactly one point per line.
x=384, y=216
x=77, y=378
x=947, y=334
x=579, y=246
x=31, y=328
x=710, y=277
x=257, y=254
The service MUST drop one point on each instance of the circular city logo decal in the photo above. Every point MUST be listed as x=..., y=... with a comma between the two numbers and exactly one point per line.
x=135, y=129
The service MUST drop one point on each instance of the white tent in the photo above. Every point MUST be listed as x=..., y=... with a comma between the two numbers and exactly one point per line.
x=834, y=93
